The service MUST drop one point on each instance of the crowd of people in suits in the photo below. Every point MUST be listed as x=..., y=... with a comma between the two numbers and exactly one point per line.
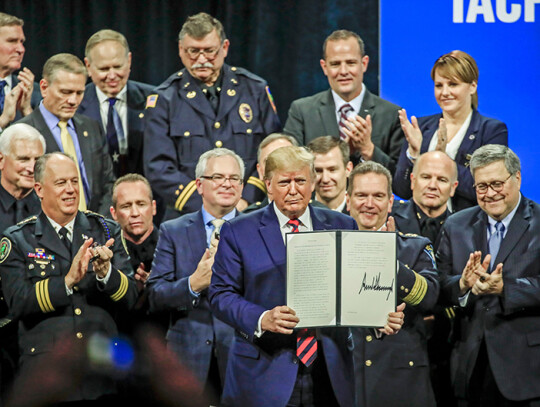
x=160, y=214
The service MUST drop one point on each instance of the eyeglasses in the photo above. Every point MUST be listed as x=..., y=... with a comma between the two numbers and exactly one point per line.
x=209, y=53
x=219, y=179
x=496, y=186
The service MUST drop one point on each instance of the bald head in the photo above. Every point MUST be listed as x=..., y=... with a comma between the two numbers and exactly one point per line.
x=433, y=182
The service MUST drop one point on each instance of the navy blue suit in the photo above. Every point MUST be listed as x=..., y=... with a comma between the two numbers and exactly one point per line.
x=136, y=101
x=400, y=362
x=510, y=323
x=193, y=331
x=249, y=278
x=482, y=130
x=181, y=125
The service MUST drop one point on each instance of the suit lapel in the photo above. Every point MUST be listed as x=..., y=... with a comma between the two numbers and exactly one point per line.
x=327, y=113
x=429, y=132
x=90, y=105
x=41, y=126
x=271, y=235
x=479, y=232
x=467, y=145
x=517, y=228
x=368, y=105
x=196, y=237
x=228, y=97
x=85, y=147
x=192, y=95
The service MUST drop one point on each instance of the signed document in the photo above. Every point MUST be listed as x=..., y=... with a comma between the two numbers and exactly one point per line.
x=341, y=278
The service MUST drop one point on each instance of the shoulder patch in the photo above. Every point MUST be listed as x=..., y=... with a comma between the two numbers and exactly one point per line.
x=431, y=253
x=270, y=99
x=151, y=101
x=5, y=248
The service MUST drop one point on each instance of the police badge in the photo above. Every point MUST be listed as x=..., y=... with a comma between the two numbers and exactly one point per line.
x=246, y=114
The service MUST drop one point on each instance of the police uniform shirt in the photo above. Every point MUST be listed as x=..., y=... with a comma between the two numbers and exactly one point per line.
x=143, y=252
x=430, y=227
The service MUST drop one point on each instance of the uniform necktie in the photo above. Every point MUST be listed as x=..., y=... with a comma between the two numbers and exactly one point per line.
x=213, y=97
x=69, y=149
x=218, y=223
x=20, y=210
x=343, y=113
x=306, y=342
x=2, y=95
x=63, y=233
x=495, y=241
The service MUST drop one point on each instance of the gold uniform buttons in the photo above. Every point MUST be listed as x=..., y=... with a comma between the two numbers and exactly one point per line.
x=75, y=288
x=368, y=363
x=141, y=115
x=79, y=335
x=78, y=311
x=42, y=273
x=249, y=131
x=32, y=350
x=217, y=125
x=187, y=134
x=219, y=143
x=411, y=363
x=369, y=338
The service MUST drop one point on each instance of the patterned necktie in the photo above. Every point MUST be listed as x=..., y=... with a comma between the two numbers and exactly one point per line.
x=63, y=233
x=69, y=149
x=343, y=113
x=2, y=95
x=495, y=241
x=306, y=342
x=218, y=223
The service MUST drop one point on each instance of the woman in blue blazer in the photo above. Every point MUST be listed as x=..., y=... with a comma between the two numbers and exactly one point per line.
x=458, y=131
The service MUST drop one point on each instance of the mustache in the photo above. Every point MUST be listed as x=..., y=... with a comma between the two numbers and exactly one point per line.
x=205, y=65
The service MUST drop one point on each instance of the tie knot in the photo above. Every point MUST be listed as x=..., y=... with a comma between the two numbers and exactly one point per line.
x=499, y=227
x=2, y=84
x=112, y=101
x=295, y=223
x=63, y=232
x=218, y=223
x=62, y=124
x=346, y=108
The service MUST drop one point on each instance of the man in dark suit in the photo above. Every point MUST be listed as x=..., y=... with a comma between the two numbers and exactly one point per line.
x=51, y=285
x=399, y=362
x=433, y=183
x=62, y=88
x=181, y=270
x=248, y=293
x=348, y=110
x=332, y=166
x=18, y=93
x=488, y=260
x=114, y=101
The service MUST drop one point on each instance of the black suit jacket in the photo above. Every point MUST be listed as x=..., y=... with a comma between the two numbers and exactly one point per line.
x=94, y=152
x=136, y=101
x=315, y=116
x=510, y=323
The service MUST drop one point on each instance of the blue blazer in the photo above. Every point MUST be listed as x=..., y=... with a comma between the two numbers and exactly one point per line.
x=248, y=279
x=136, y=101
x=510, y=323
x=193, y=329
x=400, y=362
x=482, y=130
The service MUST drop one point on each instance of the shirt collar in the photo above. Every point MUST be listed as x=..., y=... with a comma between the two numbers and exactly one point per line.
x=102, y=97
x=356, y=103
x=50, y=119
x=69, y=226
x=9, y=81
x=305, y=219
x=207, y=218
x=506, y=221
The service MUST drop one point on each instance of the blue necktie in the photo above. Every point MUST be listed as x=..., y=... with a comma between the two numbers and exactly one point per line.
x=495, y=240
x=2, y=95
x=115, y=132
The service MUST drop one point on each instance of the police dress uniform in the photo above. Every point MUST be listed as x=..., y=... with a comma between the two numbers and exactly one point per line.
x=181, y=125
x=395, y=371
x=33, y=265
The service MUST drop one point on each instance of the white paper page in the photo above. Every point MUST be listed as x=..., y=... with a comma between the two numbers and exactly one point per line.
x=311, y=277
x=368, y=279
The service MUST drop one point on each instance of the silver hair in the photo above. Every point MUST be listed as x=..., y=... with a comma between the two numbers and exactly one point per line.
x=217, y=152
x=19, y=131
x=491, y=153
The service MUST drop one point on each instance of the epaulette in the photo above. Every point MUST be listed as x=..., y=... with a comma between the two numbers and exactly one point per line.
x=408, y=234
x=177, y=76
x=27, y=220
x=244, y=72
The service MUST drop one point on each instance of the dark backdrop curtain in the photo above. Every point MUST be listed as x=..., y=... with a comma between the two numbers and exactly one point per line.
x=279, y=40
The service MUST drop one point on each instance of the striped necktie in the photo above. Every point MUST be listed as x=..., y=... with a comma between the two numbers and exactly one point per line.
x=343, y=113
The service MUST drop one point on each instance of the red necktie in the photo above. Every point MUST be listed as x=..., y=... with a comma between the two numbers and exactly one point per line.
x=306, y=342
x=343, y=112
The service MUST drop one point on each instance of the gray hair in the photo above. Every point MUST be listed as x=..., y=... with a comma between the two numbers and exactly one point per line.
x=273, y=137
x=370, y=167
x=41, y=164
x=491, y=153
x=200, y=169
x=9, y=20
x=63, y=62
x=105, y=35
x=200, y=25
x=19, y=131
